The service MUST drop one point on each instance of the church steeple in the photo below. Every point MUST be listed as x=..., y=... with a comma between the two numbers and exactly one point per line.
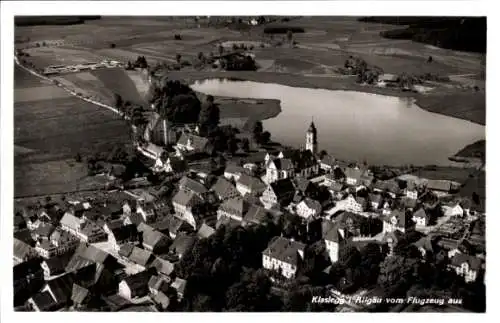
x=312, y=138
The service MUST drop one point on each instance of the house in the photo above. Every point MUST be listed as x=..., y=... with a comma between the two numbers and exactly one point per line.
x=439, y=186
x=398, y=220
x=283, y=255
x=154, y=241
x=255, y=215
x=455, y=211
x=308, y=209
x=163, y=267
x=250, y=185
x=54, y=295
x=147, y=210
x=205, y=231
x=234, y=208
x=421, y=218
x=375, y=201
x=56, y=265
x=278, y=168
x=157, y=283
x=353, y=176
x=80, y=295
x=172, y=225
x=409, y=203
x=135, y=286
x=162, y=300
x=91, y=232
x=411, y=191
x=141, y=257
x=181, y=244
x=191, y=185
x=228, y=222
x=42, y=231
x=89, y=255
x=306, y=188
x=327, y=163
x=60, y=242
x=23, y=251
x=180, y=286
x=466, y=266
x=190, y=143
x=152, y=151
x=333, y=239
x=280, y=192
x=353, y=204
x=175, y=165
x=224, y=189
x=70, y=223
x=28, y=278
x=184, y=202
x=233, y=171
x=125, y=250
x=389, y=187
x=118, y=235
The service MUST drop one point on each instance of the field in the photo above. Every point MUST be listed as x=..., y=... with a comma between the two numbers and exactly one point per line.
x=314, y=61
x=50, y=130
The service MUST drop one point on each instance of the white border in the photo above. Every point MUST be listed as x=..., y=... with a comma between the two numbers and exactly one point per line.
x=323, y=8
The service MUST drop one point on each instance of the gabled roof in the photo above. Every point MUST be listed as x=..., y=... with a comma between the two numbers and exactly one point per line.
x=24, y=235
x=140, y=256
x=409, y=203
x=312, y=204
x=61, y=287
x=190, y=184
x=425, y=243
x=303, y=184
x=138, y=281
x=253, y=183
x=256, y=214
x=179, y=285
x=70, y=221
x=79, y=294
x=126, y=250
x=234, y=169
x=223, y=188
x=329, y=160
x=237, y=206
x=26, y=268
x=153, y=237
x=421, y=214
x=285, y=250
x=205, y=231
x=182, y=243
x=375, y=198
x=163, y=266
x=439, y=185
x=197, y=142
x=21, y=249
x=331, y=232
x=58, y=264
x=44, y=301
x=227, y=222
x=337, y=187
x=353, y=173
x=282, y=187
x=459, y=258
x=125, y=232
x=186, y=198
x=281, y=163
x=400, y=216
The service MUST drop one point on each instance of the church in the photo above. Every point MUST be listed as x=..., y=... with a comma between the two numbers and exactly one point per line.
x=292, y=163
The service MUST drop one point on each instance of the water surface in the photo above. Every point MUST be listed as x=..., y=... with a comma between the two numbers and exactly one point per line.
x=355, y=125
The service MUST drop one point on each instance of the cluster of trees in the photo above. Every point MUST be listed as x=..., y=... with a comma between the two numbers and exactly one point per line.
x=52, y=20
x=457, y=33
x=133, y=112
x=283, y=29
x=175, y=101
x=239, y=63
x=359, y=67
x=223, y=271
x=260, y=136
x=140, y=62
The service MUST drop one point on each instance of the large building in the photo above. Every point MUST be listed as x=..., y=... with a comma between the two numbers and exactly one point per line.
x=312, y=139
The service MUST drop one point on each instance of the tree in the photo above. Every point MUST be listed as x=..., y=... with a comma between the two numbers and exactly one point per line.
x=112, y=45
x=201, y=57
x=209, y=115
x=245, y=145
x=265, y=137
x=178, y=58
x=118, y=101
x=398, y=270
x=429, y=60
x=220, y=48
x=289, y=37
x=78, y=158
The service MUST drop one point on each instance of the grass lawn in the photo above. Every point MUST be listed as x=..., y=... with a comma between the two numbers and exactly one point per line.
x=117, y=81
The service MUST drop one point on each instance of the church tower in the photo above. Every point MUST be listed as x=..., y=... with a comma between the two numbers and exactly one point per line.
x=312, y=139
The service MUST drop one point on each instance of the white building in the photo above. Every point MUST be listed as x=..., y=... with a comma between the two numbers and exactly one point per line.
x=284, y=256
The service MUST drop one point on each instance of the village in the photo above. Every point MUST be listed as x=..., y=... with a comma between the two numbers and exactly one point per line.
x=165, y=198
x=120, y=249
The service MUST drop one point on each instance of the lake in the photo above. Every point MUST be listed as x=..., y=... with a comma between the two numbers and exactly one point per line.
x=357, y=126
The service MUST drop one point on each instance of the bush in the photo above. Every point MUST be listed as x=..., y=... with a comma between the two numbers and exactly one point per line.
x=177, y=37
x=112, y=45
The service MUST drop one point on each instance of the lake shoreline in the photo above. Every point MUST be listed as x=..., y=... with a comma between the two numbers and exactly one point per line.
x=340, y=84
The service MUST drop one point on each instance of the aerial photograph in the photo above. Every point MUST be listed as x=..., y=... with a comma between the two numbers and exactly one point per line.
x=249, y=164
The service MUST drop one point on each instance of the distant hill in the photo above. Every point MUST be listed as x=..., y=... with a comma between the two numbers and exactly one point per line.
x=52, y=20
x=457, y=33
